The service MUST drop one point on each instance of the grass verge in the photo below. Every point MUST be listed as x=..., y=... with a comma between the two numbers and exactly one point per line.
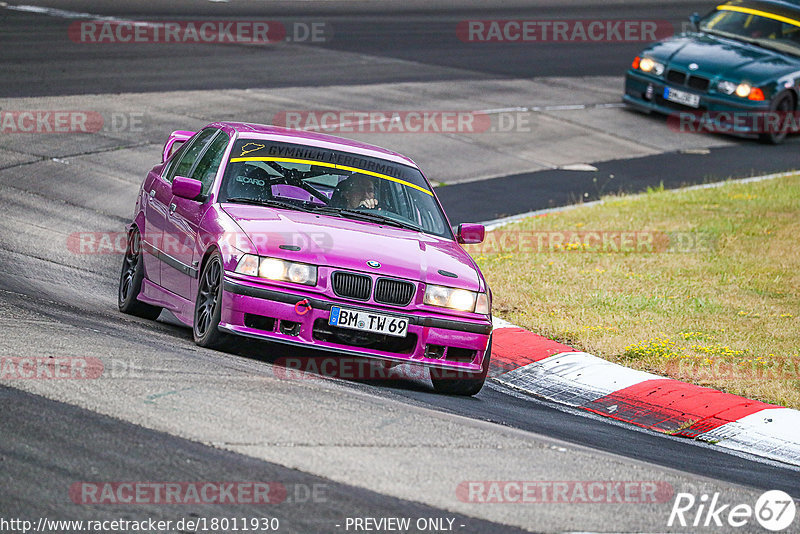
x=699, y=285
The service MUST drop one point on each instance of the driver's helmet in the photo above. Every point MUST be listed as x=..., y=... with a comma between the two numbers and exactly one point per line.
x=356, y=187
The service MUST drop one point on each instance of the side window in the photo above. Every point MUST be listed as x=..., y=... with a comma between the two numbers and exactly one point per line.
x=207, y=167
x=188, y=154
x=169, y=168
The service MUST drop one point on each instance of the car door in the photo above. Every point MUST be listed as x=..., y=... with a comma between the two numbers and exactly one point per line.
x=155, y=215
x=184, y=216
x=157, y=193
x=161, y=195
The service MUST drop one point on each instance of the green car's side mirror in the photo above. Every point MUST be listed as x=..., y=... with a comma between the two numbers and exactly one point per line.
x=695, y=20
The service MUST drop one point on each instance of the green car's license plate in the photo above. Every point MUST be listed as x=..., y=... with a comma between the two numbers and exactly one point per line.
x=682, y=97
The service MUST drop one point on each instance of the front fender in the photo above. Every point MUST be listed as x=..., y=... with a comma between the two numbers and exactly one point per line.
x=218, y=230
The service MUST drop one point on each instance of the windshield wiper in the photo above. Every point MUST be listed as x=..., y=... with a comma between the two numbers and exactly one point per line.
x=751, y=40
x=271, y=202
x=371, y=217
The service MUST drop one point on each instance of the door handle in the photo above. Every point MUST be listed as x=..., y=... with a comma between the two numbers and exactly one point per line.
x=172, y=207
x=152, y=193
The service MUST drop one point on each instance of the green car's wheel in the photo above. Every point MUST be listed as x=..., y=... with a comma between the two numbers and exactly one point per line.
x=781, y=104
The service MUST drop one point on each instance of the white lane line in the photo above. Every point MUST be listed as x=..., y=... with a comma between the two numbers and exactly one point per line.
x=553, y=107
x=55, y=12
x=504, y=110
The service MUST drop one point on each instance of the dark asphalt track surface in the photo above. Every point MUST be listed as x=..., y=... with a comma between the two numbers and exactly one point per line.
x=36, y=479
x=45, y=446
x=487, y=200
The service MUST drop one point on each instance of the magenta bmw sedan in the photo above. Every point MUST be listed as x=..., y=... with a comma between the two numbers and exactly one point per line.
x=308, y=239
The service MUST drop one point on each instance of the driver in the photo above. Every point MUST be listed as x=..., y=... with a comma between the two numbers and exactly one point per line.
x=358, y=191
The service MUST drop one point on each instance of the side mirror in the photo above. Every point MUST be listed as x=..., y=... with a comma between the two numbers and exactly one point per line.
x=694, y=19
x=186, y=187
x=470, y=234
x=176, y=139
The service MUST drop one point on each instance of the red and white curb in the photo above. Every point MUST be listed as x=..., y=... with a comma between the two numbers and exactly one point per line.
x=533, y=364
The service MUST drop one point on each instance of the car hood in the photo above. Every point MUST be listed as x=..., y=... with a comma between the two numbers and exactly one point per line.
x=348, y=244
x=726, y=58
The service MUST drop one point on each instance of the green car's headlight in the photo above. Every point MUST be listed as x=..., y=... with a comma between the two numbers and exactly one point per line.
x=276, y=269
x=742, y=90
x=456, y=299
x=726, y=87
x=650, y=65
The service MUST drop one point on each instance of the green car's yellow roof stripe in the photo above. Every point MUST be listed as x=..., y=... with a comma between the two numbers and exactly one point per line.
x=337, y=167
x=765, y=14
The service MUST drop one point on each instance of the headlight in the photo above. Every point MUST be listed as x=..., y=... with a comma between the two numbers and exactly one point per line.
x=272, y=269
x=650, y=65
x=456, y=299
x=275, y=269
x=743, y=90
x=726, y=87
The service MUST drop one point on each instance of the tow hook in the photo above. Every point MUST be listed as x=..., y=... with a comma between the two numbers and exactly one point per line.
x=302, y=307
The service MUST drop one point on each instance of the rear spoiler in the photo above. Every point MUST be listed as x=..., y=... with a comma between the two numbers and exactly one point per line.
x=176, y=139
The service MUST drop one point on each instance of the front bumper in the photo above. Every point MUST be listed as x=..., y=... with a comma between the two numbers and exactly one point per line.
x=273, y=314
x=646, y=93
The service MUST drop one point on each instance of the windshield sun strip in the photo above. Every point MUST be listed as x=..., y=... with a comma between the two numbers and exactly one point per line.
x=765, y=14
x=337, y=167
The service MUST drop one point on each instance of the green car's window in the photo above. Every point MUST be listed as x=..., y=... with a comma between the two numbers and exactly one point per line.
x=762, y=28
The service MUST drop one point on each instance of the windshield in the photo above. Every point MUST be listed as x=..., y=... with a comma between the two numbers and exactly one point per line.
x=332, y=183
x=766, y=29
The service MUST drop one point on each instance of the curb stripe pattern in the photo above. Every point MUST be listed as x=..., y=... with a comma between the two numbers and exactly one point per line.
x=533, y=364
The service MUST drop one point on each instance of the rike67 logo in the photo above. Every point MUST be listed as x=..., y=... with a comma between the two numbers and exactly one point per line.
x=774, y=510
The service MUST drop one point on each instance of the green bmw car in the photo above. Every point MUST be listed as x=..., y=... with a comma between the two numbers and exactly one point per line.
x=742, y=60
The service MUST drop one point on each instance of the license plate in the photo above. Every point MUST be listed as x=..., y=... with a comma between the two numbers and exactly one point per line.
x=682, y=97
x=368, y=321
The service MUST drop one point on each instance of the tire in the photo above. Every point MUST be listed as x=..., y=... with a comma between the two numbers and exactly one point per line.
x=130, y=280
x=444, y=381
x=208, y=305
x=783, y=103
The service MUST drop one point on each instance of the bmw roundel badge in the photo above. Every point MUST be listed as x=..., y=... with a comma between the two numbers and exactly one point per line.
x=374, y=264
